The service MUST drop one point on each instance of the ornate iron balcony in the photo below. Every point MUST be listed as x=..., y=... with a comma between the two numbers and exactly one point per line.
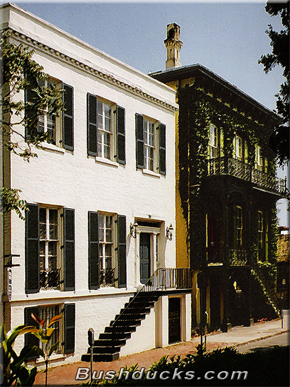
x=241, y=170
x=50, y=279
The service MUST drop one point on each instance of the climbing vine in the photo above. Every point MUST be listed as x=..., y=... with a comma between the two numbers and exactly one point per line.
x=198, y=109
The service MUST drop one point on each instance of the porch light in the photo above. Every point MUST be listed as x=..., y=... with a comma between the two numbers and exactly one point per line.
x=169, y=232
x=133, y=228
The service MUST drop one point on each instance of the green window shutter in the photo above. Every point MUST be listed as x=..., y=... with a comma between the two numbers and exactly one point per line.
x=93, y=250
x=67, y=118
x=92, y=128
x=31, y=118
x=69, y=248
x=29, y=339
x=140, y=161
x=69, y=328
x=162, y=149
x=32, y=249
x=122, y=264
x=120, y=134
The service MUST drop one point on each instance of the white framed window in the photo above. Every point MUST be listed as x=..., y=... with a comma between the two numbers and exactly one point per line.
x=46, y=313
x=49, y=247
x=259, y=159
x=149, y=144
x=105, y=133
x=106, y=249
x=213, y=141
x=50, y=123
x=239, y=148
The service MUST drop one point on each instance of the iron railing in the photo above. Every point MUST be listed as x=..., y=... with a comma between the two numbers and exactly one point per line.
x=238, y=257
x=162, y=279
x=107, y=276
x=241, y=170
x=49, y=278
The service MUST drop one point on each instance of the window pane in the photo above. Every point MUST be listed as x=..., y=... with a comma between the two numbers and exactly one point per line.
x=108, y=263
x=108, y=250
x=42, y=223
x=53, y=221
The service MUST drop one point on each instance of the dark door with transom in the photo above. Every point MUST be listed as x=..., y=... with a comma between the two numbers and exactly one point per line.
x=145, y=256
x=174, y=320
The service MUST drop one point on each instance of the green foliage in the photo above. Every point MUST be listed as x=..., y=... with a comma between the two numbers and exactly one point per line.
x=264, y=368
x=12, y=201
x=13, y=368
x=21, y=74
x=280, y=57
x=44, y=334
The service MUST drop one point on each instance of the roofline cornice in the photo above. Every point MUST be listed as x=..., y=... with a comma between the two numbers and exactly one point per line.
x=108, y=78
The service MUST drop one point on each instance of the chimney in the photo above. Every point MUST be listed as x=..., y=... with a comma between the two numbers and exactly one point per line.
x=173, y=46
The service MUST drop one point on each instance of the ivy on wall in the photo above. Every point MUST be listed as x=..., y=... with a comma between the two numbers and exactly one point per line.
x=197, y=109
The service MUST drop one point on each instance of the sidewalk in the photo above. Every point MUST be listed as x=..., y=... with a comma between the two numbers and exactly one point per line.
x=65, y=374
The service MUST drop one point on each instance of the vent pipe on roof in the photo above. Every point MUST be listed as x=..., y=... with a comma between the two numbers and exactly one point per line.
x=173, y=46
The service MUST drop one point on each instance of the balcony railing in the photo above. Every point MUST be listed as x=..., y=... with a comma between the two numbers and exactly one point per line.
x=241, y=170
x=49, y=279
x=238, y=257
x=162, y=279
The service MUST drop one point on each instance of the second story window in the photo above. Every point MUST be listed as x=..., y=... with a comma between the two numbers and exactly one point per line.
x=259, y=159
x=213, y=141
x=150, y=144
x=105, y=130
x=104, y=120
x=60, y=128
x=239, y=148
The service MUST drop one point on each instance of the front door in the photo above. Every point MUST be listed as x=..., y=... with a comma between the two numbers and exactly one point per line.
x=145, y=257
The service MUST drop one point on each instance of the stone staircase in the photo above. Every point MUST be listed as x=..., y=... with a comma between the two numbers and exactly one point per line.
x=109, y=343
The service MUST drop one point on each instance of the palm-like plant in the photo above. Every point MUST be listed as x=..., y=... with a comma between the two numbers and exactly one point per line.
x=44, y=334
x=13, y=367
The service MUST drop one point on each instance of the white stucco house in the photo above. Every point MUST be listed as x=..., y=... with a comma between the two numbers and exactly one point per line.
x=101, y=199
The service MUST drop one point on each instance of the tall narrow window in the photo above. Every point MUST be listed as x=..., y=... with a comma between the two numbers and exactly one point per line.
x=149, y=144
x=48, y=247
x=46, y=313
x=259, y=159
x=47, y=123
x=104, y=130
x=261, y=235
x=239, y=148
x=239, y=227
x=106, y=264
x=213, y=141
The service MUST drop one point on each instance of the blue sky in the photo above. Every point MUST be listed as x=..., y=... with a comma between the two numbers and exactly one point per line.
x=226, y=37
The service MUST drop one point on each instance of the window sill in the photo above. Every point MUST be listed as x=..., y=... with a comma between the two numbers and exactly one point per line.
x=53, y=357
x=150, y=173
x=51, y=147
x=107, y=162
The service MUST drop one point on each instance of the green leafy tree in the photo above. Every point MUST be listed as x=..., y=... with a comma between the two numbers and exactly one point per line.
x=279, y=140
x=22, y=75
x=13, y=366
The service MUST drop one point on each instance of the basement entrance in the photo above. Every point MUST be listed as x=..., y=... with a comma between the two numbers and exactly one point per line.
x=174, y=320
